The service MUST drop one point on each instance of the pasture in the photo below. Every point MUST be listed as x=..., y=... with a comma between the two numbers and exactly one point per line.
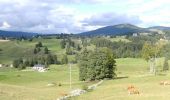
x=30, y=85
x=131, y=72
x=14, y=49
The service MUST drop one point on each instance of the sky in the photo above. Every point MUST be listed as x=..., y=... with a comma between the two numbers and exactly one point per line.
x=75, y=16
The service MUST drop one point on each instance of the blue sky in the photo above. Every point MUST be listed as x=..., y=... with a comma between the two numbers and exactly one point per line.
x=74, y=16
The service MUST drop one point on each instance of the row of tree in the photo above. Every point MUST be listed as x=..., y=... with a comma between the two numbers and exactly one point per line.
x=70, y=46
x=121, y=49
x=38, y=48
x=40, y=59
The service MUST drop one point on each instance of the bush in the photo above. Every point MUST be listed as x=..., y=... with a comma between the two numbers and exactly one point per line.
x=59, y=84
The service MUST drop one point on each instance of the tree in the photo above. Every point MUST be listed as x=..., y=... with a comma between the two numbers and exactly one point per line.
x=35, y=51
x=26, y=62
x=17, y=63
x=78, y=48
x=64, y=59
x=83, y=65
x=166, y=65
x=68, y=50
x=96, y=65
x=49, y=59
x=55, y=59
x=63, y=43
x=38, y=49
x=150, y=53
x=45, y=50
x=39, y=44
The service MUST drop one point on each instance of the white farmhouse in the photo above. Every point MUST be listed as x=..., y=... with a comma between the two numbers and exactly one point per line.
x=39, y=68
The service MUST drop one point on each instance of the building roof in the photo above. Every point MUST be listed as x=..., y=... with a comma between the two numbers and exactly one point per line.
x=39, y=65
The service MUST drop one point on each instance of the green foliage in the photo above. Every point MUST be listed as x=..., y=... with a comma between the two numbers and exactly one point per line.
x=78, y=47
x=46, y=50
x=19, y=63
x=63, y=43
x=37, y=48
x=39, y=44
x=121, y=49
x=166, y=65
x=38, y=59
x=165, y=51
x=85, y=42
x=64, y=59
x=150, y=51
x=83, y=64
x=69, y=50
x=96, y=65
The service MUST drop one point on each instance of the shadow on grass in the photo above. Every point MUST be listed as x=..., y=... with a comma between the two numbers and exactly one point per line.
x=123, y=77
x=162, y=74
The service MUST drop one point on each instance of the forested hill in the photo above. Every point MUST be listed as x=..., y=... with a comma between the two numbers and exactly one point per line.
x=16, y=34
x=120, y=29
x=163, y=28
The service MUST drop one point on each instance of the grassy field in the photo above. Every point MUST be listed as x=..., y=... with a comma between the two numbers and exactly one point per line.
x=30, y=85
x=11, y=50
x=131, y=72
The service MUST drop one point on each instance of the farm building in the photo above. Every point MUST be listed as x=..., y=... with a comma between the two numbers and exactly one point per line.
x=39, y=68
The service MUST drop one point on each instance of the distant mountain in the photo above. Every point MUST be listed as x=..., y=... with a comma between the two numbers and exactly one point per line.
x=160, y=28
x=120, y=29
x=16, y=34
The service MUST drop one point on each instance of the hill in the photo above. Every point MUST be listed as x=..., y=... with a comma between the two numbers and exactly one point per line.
x=120, y=29
x=16, y=34
x=163, y=28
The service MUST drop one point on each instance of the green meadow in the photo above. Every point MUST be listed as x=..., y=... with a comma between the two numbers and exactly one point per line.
x=31, y=85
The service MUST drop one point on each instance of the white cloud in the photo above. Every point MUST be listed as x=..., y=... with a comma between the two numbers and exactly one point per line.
x=55, y=16
x=5, y=25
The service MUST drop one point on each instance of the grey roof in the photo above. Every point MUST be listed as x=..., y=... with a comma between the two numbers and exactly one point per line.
x=39, y=65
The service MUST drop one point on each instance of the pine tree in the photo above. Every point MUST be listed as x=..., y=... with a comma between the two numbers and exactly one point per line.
x=45, y=50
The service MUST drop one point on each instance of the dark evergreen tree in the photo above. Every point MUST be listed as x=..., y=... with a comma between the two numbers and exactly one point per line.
x=39, y=44
x=35, y=51
x=45, y=50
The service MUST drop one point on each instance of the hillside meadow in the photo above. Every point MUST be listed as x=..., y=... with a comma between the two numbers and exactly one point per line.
x=14, y=49
x=31, y=85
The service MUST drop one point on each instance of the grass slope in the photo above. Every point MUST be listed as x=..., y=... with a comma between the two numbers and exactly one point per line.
x=32, y=85
x=11, y=50
x=131, y=72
